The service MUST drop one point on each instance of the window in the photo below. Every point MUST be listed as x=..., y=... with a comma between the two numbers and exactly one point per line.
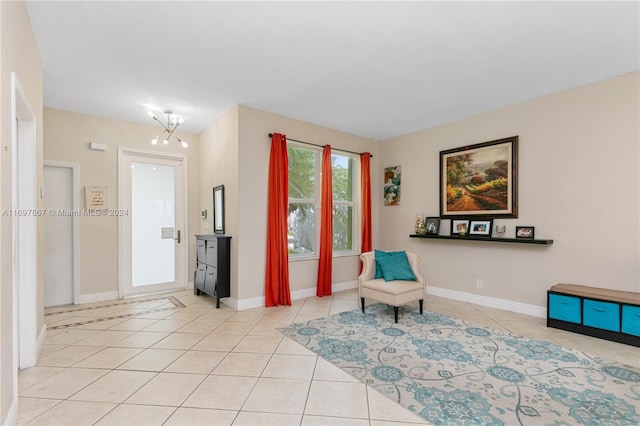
x=301, y=222
x=304, y=201
x=342, y=180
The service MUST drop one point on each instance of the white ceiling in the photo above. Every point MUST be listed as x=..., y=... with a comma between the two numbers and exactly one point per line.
x=374, y=69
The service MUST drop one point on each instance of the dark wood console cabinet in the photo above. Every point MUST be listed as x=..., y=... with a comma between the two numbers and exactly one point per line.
x=213, y=268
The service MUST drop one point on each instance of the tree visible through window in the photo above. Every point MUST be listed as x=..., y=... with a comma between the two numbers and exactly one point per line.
x=304, y=201
x=342, y=174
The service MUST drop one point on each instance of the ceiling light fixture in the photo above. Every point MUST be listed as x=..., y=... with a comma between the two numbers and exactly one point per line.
x=169, y=128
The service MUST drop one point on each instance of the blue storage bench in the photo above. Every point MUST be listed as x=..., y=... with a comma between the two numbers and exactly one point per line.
x=599, y=312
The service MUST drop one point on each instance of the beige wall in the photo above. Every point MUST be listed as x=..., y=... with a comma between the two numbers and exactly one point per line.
x=219, y=166
x=19, y=54
x=254, y=148
x=234, y=152
x=67, y=139
x=578, y=184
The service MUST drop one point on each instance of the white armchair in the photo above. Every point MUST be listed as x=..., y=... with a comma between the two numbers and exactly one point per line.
x=394, y=293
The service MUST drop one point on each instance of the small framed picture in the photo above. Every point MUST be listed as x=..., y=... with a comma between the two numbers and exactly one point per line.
x=525, y=232
x=459, y=227
x=433, y=225
x=481, y=227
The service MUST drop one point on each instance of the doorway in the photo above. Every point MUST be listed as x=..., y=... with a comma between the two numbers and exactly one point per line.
x=60, y=233
x=152, y=222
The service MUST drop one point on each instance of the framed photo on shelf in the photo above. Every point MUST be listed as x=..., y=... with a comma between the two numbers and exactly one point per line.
x=459, y=227
x=525, y=232
x=480, y=227
x=433, y=225
x=480, y=180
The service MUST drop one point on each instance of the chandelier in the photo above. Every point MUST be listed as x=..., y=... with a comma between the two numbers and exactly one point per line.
x=169, y=128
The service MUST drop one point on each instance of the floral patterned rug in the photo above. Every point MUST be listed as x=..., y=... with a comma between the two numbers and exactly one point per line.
x=450, y=372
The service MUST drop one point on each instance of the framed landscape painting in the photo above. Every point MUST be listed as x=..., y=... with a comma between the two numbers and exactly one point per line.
x=480, y=180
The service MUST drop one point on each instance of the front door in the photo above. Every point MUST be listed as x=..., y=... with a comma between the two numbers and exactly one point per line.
x=153, y=219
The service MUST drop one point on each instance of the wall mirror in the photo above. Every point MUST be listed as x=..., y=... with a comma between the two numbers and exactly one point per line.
x=218, y=209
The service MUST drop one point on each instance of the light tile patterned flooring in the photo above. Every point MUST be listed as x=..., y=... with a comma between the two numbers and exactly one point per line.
x=177, y=360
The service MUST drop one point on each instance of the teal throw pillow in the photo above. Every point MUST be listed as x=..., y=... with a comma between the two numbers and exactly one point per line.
x=384, y=254
x=396, y=268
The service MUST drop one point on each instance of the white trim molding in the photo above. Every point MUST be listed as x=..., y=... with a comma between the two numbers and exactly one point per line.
x=258, y=302
x=492, y=302
x=25, y=244
x=124, y=224
x=97, y=297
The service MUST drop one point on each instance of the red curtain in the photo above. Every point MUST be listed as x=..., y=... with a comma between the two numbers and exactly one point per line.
x=277, y=290
x=326, y=227
x=365, y=191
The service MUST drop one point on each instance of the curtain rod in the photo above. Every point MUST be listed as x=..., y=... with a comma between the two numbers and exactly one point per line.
x=322, y=146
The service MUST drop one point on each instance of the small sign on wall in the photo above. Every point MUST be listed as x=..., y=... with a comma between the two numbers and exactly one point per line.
x=96, y=197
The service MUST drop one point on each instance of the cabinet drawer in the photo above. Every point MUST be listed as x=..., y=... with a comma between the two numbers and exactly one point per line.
x=631, y=319
x=564, y=308
x=200, y=251
x=210, y=279
x=604, y=315
x=212, y=252
x=198, y=280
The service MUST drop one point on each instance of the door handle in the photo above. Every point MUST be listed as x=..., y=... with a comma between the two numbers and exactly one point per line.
x=178, y=239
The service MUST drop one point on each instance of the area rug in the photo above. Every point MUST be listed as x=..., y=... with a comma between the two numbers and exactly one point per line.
x=453, y=373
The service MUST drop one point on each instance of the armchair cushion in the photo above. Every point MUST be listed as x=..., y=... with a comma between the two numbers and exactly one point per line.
x=379, y=254
x=396, y=268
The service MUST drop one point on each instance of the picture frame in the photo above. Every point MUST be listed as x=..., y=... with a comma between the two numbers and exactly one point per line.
x=480, y=180
x=525, y=232
x=432, y=224
x=392, y=185
x=459, y=227
x=480, y=227
x=218, y=209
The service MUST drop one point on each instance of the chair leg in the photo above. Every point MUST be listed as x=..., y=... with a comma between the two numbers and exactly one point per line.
x=420, y=302
x=395, y=313
x=362, y=302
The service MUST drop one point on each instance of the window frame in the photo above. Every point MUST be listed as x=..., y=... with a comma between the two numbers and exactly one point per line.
x=352, y=204
x=317, y=202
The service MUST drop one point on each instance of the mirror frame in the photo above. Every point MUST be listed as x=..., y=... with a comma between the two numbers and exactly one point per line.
x=218, y=209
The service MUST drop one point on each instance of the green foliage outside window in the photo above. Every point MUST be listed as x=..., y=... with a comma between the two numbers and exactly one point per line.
x=304, y=182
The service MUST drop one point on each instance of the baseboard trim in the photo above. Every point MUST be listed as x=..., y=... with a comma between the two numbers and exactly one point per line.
x=258, y=302
x=492, y=302
x=98, y=297
x=12, y=415
x=42, y=336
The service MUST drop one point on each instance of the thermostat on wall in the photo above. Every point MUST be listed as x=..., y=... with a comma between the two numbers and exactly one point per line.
x=97, y=146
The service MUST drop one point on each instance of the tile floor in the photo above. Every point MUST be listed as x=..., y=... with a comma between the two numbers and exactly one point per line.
x=176, y=360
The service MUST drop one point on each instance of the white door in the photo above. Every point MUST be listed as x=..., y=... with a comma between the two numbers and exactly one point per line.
x=58, y=236
x=153, y=205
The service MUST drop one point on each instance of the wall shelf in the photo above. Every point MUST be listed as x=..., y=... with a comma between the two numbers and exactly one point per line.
x=485, y=239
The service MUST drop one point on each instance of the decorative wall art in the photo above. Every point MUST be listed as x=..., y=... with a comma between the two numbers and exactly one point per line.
x=433, y=225
x=459, y=227
x=480, y=228
x=96, y=197
x=392, y=186
x=525, y=232
x=480, y=180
